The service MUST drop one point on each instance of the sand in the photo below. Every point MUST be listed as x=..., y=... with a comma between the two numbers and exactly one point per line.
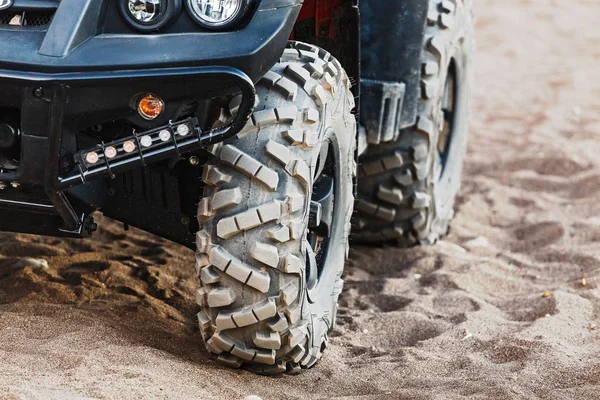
x=498, y=310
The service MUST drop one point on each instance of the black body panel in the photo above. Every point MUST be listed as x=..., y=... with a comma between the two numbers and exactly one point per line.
x=344, y=43
x=392, y=34
x=75, y=41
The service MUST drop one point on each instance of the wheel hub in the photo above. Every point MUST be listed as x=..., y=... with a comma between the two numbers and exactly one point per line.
x=448, y=112
x=320, y=221
x=321, y=207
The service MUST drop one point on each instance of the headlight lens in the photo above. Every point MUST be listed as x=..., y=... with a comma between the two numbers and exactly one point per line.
x=145, y=11
x=149, y=15
x=216, y=13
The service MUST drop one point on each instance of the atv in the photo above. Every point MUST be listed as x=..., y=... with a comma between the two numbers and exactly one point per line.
x=242, y=129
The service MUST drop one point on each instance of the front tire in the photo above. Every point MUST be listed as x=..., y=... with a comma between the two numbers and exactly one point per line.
x=270, y=254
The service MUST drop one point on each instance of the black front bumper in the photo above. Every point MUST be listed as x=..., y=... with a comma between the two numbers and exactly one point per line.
x=55, y=108
x=61, y=84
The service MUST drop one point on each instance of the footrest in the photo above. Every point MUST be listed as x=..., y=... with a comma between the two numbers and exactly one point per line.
x=381, y=109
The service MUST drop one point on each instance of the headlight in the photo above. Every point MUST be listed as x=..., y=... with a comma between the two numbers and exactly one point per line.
x=145, y=11
x=149, y=15
x=217, y=14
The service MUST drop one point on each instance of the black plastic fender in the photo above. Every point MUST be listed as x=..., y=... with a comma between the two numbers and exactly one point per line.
x=392, y=39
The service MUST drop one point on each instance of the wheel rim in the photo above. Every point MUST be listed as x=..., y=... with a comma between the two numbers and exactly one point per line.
x=321, y=218
x=448, y=109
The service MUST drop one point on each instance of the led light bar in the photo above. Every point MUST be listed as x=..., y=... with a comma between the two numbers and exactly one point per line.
x=137, y=145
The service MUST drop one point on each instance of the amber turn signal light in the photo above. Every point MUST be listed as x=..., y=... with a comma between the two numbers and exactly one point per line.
x=151, y=106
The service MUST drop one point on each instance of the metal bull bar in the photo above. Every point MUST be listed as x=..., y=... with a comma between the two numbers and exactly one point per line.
x=140, y=149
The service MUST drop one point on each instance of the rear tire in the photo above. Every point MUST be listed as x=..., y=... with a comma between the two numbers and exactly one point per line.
x=407, y=188
x=261, y=307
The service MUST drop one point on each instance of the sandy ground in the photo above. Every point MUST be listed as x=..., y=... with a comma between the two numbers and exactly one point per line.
x=114, y=317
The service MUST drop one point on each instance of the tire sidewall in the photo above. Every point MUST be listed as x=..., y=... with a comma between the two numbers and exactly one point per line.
x=445, y=184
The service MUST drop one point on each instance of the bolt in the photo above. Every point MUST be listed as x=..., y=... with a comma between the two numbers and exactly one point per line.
x=38, y=92
x=185, y=220
x=194, y=161
x=2, y=186
x=112, y=192
x=15, y=184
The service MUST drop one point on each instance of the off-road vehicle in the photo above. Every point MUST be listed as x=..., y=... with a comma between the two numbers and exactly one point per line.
x=232, y=127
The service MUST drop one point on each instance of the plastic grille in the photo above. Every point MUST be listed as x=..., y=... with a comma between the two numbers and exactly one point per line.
x=32, y=19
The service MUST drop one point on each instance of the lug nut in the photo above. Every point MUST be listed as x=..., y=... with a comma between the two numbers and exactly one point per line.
x=194, y=161
x=2, y=186
x=15, y=184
